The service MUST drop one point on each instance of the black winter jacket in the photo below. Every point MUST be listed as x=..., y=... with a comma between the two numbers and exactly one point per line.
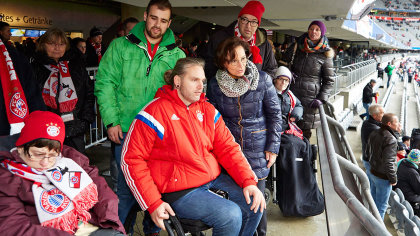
x=382, y=153
x=368, y=93
x=368, y=127
x=91, y=56
x=409, y=181
x=285, y=104
x=254, y=119
x=26, y=79
x=84, y=110
x=314, y=79
x=269, y=64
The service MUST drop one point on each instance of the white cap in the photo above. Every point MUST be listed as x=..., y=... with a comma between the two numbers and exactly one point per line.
x=283, y=71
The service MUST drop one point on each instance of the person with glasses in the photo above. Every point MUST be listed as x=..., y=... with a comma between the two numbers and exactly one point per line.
x=47, y=188
x=247, y=100
x=65, y=85
x=245, y=28
x=297, y=190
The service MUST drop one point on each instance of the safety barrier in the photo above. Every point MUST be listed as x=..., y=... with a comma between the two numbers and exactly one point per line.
x=97, y=132
x=416, y=91
x=403, y=113
x=370, y=220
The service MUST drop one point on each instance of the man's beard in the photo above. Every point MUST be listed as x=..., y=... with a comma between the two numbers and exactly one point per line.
x=150, y=34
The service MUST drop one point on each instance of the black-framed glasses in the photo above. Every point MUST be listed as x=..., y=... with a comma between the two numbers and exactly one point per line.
x=245, y=21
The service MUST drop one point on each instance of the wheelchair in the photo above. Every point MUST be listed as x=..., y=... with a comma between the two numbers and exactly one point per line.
x=174, y=226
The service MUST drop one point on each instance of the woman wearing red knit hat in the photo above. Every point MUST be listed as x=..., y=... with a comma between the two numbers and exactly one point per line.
x=48, y=189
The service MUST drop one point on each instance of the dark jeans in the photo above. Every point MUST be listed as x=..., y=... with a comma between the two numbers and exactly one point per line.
x=126, y=198
x=76, y=142
x=231, y=217
x=262, y=226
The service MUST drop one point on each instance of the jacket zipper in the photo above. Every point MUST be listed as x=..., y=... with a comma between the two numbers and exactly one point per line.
x=199, y=141
x=239, y=122
x=303, y=64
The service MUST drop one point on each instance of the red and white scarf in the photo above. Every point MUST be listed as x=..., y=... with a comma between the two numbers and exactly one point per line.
x=63, y=194
x=98, y=50
x=60, y=80
x=14, y=97
x=293, y=128
x=255, y=51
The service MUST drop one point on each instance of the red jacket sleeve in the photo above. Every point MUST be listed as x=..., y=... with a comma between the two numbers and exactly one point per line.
x=230, y=156
x=137, y=147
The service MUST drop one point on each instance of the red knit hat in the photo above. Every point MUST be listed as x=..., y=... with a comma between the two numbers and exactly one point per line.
x=254, y=8
x=42, y=124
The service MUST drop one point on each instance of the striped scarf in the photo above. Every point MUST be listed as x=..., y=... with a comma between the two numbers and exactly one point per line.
x=310, y=47
x=255, y=51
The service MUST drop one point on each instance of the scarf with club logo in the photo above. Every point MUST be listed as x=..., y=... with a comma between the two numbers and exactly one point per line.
x=63, y=194
x=14, y=97
x=255, y=51
x=60, y=84
x=98, y=50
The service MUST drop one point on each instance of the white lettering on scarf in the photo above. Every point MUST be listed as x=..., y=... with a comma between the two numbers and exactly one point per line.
x=9, y=63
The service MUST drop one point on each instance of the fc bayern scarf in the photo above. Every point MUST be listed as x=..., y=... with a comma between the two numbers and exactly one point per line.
x=98, y=50
x=255, y=51
x=63, y=194
x=14, y=98
x=309, y=47
x=60, y=84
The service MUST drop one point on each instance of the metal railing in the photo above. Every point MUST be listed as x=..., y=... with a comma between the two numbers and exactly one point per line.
x=403, y=113
x=350, y=75
x=97, y=132
x=371, y=221
x=416, y=91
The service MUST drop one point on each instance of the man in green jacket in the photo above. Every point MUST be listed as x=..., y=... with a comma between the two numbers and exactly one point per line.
x=128, y=77
x=388, y=70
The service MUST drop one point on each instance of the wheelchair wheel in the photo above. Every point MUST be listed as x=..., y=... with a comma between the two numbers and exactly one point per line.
x=133, y=223
x=267, y=195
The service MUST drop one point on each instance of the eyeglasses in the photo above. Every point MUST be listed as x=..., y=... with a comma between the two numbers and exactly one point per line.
x=245, y=21
x=61, y=45
x=37, y=157
x=286, y=80
x=236, y=62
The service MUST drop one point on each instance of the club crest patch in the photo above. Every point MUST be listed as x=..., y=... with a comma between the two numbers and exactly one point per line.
x=53, y=129
x=75, y=177
x=18, y=106
x=200, y=116
x=54, y=201
x=57, y=176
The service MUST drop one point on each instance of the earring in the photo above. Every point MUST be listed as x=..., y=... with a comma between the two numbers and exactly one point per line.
x=177, y=86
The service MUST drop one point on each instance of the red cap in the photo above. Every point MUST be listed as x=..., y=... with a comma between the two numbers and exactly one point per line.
x=42, y=124
x=254, y=8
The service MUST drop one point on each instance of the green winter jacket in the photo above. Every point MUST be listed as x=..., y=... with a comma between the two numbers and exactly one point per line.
x=127, y=80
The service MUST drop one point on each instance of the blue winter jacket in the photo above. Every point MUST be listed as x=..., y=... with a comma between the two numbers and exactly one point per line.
x=254, y=119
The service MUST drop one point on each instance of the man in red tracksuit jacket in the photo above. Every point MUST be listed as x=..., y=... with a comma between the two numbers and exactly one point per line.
x=173, y=152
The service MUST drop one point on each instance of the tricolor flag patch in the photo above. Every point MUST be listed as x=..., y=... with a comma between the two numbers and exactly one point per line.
x=75, y=179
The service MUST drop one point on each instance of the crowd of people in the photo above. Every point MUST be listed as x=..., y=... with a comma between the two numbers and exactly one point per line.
x=173, y=144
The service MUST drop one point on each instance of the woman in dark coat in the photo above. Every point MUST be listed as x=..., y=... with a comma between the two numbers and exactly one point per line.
x=311, y=61
x=47, y=189
x=53, y=65
x=297, y=190
x=247, y=101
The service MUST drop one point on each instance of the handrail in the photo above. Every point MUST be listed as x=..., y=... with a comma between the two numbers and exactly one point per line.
x=363, y=179
x=403, y=113
x=372, y=225
x=416, y=91
x=385, y=100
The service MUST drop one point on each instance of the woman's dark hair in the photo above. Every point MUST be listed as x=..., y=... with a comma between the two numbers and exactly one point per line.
x=226, y=50
x=52, y=35
x=181, y=67
x=40, y=143
x=76, y=41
